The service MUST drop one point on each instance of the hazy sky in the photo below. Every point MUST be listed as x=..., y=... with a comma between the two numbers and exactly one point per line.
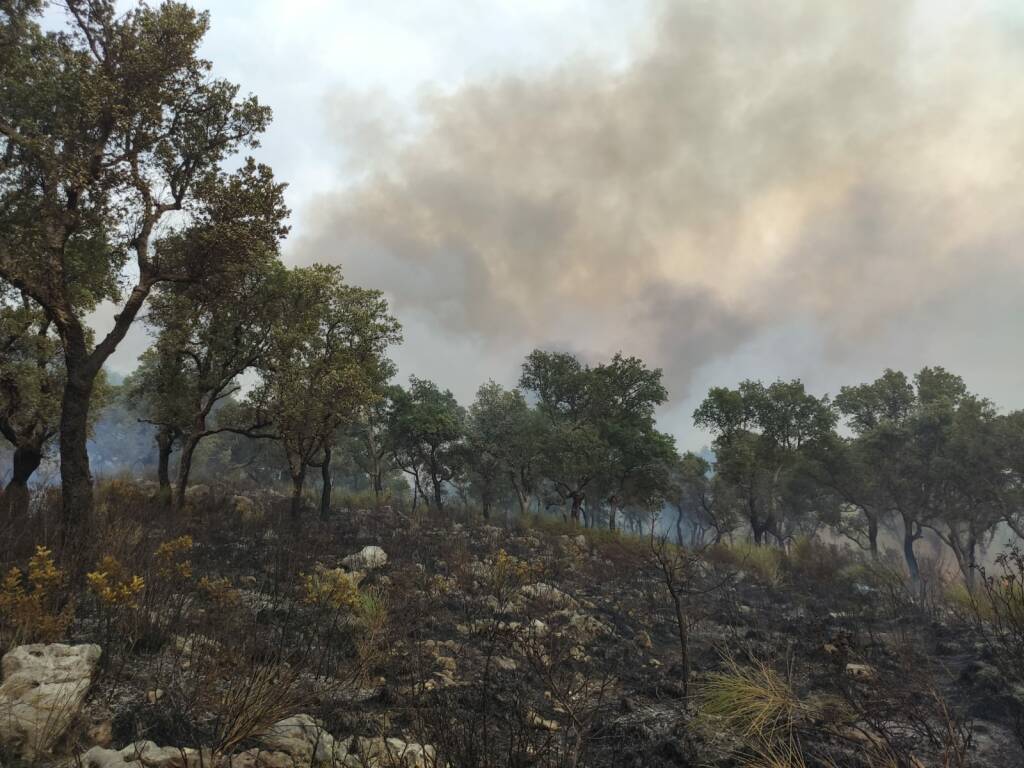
x=727, y=189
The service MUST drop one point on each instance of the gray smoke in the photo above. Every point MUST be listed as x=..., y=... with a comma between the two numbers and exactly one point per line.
x=754, y=165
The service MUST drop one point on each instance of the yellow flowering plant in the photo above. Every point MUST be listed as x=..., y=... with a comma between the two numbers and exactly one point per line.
x=30, y=600
x=113, y=586
x=331, y=587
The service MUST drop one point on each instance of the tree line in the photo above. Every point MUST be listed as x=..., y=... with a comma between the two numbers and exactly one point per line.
x=121, y=181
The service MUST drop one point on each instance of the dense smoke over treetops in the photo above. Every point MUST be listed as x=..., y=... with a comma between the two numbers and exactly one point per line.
x=847, y=170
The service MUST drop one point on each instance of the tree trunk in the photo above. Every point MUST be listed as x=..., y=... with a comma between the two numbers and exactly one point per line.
x=684, y=638
x=16, y=497
x=438, y=497
x=75, y=475
x=165, y=445
x=378, y=485
x=188, y=450
x=965, y=553
x=873, y=536
x=758, y=530
x=82, y=369
x=376, y=467
x=972, y=561
x=909, y=538
x=613, y=508
x=325, y=491
x=577, y=504
x=522, y=497
x=298, y=482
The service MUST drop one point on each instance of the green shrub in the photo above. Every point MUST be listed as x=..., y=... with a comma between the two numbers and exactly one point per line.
x=764, y=563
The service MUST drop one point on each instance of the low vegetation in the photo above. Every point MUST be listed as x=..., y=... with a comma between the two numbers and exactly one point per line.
x=545, y=642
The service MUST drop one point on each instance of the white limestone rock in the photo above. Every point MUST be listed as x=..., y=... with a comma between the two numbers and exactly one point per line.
x=42, y=692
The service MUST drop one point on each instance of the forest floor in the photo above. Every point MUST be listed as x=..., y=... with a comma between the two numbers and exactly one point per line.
x=470, y=644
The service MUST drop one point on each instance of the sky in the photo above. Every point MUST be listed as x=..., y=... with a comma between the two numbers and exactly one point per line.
x=736, y=190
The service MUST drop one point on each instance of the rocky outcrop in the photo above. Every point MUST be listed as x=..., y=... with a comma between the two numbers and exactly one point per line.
x=367, y=559
x=548, y=594
x=143, y=754
x=42, y=691
x=305, y=740
x=299, y=741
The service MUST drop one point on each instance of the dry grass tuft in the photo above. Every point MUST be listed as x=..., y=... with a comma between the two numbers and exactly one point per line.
x=754, y=701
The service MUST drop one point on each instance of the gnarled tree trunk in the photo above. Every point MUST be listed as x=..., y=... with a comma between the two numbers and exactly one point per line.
x=325, y=491
x=298, y=482
x=188, y=450
x=165, y=446
x=873, y=536
x=75, y=473
x=613, y=508
x=15, y=501
x=82, y=368
x=909, y=537
x=577, y=507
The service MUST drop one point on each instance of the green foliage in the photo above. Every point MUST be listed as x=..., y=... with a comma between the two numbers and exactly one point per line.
x=599, y=441
x=494, y=424
x=106, y=128
x=211, y=332
x=427, y=426
x=764, y=563
x=324, y=364
x=697, y=505
x=764, y=436
x=931, y=450
x=31, y=373
x=117, y=112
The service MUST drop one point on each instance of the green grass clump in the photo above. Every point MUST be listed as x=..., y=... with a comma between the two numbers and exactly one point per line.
x=763, y=562
x=998, y=599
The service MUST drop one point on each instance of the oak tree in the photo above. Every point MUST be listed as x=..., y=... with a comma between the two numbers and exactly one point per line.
x=107, y=128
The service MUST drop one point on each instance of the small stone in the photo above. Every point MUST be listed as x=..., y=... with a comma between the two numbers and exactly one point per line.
x=505, y=664
x=101, y=732
x=860, y=671
x=540, y=723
